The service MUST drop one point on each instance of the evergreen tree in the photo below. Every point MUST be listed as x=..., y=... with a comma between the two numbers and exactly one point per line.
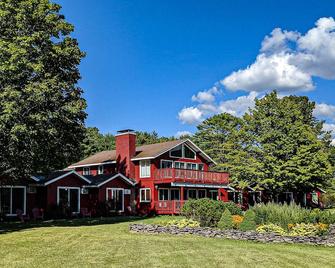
x=41, y=107
x=248, y=223
x=226, y=221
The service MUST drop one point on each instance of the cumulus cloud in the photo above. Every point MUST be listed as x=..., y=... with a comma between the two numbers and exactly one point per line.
x=289, y=60
x=182, y=133
x=206, y=96
x=238, y=106
x=331, y=128
x=324, y=110
x=190, y=115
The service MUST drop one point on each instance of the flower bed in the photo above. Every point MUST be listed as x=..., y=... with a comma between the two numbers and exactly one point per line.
x=326, y=240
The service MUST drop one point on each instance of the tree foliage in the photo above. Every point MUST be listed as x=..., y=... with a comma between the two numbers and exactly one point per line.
x=95, y=141
x=41, y=107
x=279, y=145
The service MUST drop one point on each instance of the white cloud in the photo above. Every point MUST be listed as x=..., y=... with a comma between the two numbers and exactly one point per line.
x=268, y=73
x=288, y=60
x=182, y=133
x=190, y=115
x=331, y=128
x=206, y=96
x=325, y=110
x=238, y=106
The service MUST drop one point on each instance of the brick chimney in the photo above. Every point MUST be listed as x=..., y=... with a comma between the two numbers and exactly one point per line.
x=125, y=141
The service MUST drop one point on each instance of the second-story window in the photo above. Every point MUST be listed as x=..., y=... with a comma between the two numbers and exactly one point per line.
x=86, y=171
x=182, y=151
x=145, y=168
x=100, y=169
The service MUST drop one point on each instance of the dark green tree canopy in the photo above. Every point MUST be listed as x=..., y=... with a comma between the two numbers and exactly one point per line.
x=278, y=145
x=42, y=111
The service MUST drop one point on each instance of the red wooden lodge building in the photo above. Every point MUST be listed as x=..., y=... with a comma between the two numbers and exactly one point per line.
x=155, y=178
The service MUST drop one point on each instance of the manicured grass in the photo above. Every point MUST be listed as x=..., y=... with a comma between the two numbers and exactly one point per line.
x=107, y=242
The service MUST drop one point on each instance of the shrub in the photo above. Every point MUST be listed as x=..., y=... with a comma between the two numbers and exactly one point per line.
x=328, y=200
x=237, y=219
x=248, y=223
x=271, y=228
x=207, y=211
x=308, y=229
x=180, y=223
x=226, y=221
x=279, y=214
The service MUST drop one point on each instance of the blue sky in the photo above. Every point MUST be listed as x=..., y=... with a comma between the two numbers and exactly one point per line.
x=146, y=59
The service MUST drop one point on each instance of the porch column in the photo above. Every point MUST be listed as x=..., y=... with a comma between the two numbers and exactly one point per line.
x=181, y=193
x=223, y=195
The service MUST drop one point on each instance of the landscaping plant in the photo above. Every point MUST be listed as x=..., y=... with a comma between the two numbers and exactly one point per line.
x=207, y=211
x=248, y=223
x=226, y=221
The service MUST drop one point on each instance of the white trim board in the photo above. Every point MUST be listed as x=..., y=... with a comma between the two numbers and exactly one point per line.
x=94, y=164
x=67, y=174
x=114, y=177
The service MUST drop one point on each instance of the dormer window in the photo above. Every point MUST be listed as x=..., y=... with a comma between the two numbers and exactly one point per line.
x=100, y=169
x=182, y=151
x=86, y=171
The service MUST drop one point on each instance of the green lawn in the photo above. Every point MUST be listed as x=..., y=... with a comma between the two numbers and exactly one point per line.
x=108, y=242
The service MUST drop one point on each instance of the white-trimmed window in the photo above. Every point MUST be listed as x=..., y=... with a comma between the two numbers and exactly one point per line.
x=69, y=197
x=182, y=151
x=145, y=195
x=145, y=169
x=100, y=169
x=12, y=198
x=86, y=171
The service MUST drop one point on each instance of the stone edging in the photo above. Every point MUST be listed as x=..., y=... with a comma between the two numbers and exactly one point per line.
x=328, y=240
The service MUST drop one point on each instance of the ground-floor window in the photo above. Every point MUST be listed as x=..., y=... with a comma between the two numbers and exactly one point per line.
x=191, y=194
x=202, y=193
x=145, y=195
x=115, y=199
x=69, y=197
x=175, y=194
x=163, y=194
x=213, y=194
x=13, y=199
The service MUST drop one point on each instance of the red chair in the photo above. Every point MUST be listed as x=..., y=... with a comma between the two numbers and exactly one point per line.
x=21, y=216
x=85, y=213
x=38, y=214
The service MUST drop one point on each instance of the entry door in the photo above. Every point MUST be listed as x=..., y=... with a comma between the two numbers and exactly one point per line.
x=69, y=197
x=115, y=198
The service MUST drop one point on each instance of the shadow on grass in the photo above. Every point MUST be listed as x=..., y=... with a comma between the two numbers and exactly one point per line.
x=9, y=227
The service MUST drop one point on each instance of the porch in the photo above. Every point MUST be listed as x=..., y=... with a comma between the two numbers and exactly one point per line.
x=169, y=199
x=166, y=175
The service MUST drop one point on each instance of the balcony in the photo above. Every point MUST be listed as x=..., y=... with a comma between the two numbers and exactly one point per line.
x=168, y=175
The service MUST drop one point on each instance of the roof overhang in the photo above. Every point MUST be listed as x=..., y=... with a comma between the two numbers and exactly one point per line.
x=93, y=164
x=119, y=175
x=200, y=185
x=65, y=175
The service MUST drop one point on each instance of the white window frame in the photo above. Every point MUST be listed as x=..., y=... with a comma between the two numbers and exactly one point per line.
x=192, y=189
x=185, y=165
x=68, y=195
x=183, y=152
x=214, y=191
x=86, y=171
x=118, y=189
x=11, y=199
x=145, y=195
x=179, y=190
x=100, y=169
x=147, y=165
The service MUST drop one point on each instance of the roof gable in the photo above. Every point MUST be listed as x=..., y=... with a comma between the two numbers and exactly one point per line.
x=149, y=151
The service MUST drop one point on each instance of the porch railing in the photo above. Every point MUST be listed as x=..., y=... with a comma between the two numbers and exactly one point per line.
x=169, y=206
x=191, y=176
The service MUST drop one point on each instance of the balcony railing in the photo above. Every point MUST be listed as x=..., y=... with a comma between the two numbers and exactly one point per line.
x=169, y=206
x=191, y=176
